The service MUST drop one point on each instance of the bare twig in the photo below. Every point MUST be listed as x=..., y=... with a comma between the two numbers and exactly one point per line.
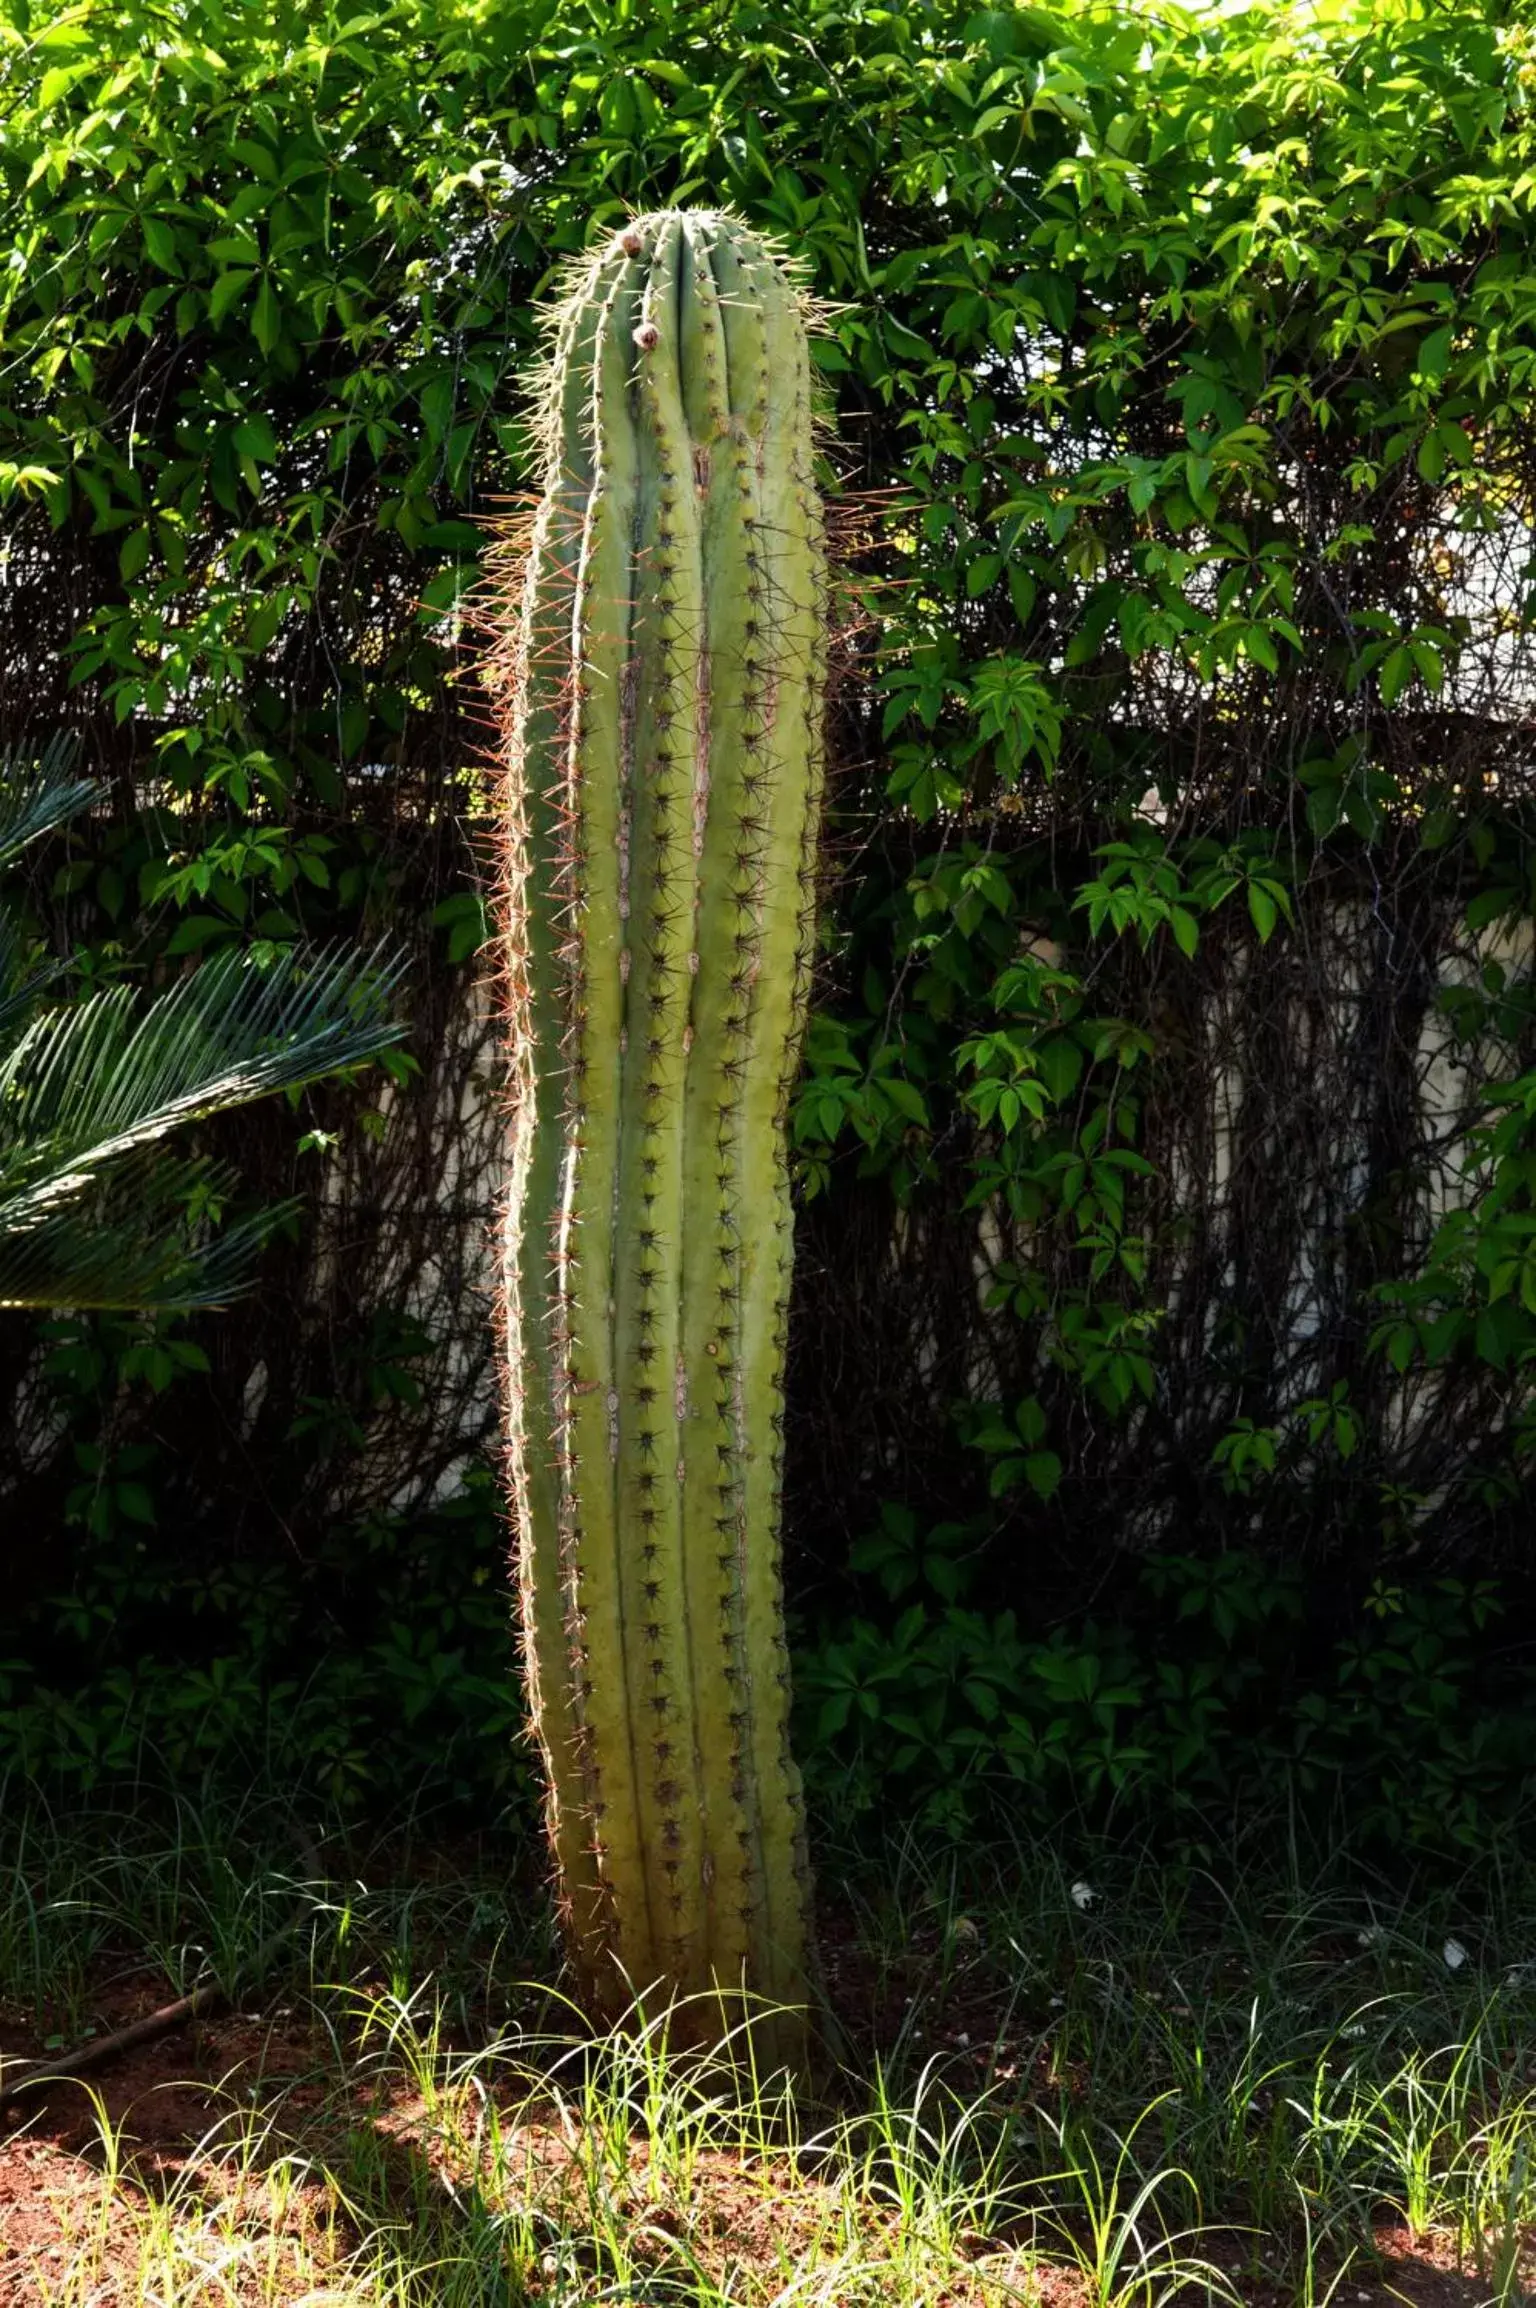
x=17, y=2077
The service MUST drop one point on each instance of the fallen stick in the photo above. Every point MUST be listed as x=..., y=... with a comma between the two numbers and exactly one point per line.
x=19, y=2076
x=26, y=2075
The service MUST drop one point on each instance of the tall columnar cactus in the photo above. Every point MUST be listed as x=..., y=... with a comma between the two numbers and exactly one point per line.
x=664, y=765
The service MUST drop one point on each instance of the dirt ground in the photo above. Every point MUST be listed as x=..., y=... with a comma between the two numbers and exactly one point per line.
x=160, y=2099
x=163, y=2099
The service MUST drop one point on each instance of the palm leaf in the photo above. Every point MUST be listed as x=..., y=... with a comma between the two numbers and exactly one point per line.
x=40, y=792
x=93, y=1212
x=90, y=1086
x=20, y=986
x=128, y=1241
x=93, y=1080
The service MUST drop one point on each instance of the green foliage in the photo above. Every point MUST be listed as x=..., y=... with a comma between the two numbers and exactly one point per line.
x=1194, y=350
x=1213, y=379
x=367, y=1676
x=93, y=1211
x=1208, y=1690
x=271, y=200
x=1475, y=1295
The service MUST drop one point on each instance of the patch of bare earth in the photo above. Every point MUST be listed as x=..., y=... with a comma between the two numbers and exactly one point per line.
x=81, y=2159
x=189, y=2116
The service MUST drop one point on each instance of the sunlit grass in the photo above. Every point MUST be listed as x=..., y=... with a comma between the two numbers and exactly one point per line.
x=1200, y=2083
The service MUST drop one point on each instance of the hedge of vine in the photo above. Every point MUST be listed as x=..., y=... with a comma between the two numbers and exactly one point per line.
x=1182, y=854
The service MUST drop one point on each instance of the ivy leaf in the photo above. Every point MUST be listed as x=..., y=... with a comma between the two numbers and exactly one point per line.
x=1435, y=353
x=1043, y=1472
x=160, y=241
x=1263, y=911
x=227, y=291
x=266, y=319
x=256, y=158
x=465, y=918
x=1396, y=673
x=56, y=85
x=254, y=437
x=1060, y=1064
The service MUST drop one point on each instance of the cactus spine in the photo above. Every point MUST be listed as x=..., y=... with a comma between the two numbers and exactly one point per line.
x=665, y=667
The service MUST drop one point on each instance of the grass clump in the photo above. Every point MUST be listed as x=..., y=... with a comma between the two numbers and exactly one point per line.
x=1063, y=2072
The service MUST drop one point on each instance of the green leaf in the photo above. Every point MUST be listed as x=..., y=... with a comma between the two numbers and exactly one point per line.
x=254, y=437
x=195, y=932
x=1493, y=905
x=1043, y=1472
x=256, y=158
x=56, y=84
x=1435, y=353
x=1396, y=673
x=443, y=591
x=266, y=318
x=437, y=402
x=906, y=1098
x=227, y=291
x=133, y=553
x=160, y=241
x=1060, y=1063
x=1263, y=911
x=465, y=918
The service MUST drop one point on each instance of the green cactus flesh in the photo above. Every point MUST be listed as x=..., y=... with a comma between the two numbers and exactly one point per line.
x=664, y=769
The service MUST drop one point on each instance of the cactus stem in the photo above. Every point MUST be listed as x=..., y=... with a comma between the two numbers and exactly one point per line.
x=663, y=793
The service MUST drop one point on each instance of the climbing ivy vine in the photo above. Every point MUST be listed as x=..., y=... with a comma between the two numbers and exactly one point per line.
x=1182, y=365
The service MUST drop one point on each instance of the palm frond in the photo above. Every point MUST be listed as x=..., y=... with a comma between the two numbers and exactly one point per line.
x=20, y=987
x=92, y=1210
x=130, y=1241
x=40, y=791
x=89, y=1083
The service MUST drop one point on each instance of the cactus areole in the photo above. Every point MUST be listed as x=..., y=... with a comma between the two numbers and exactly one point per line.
x=665, y=670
